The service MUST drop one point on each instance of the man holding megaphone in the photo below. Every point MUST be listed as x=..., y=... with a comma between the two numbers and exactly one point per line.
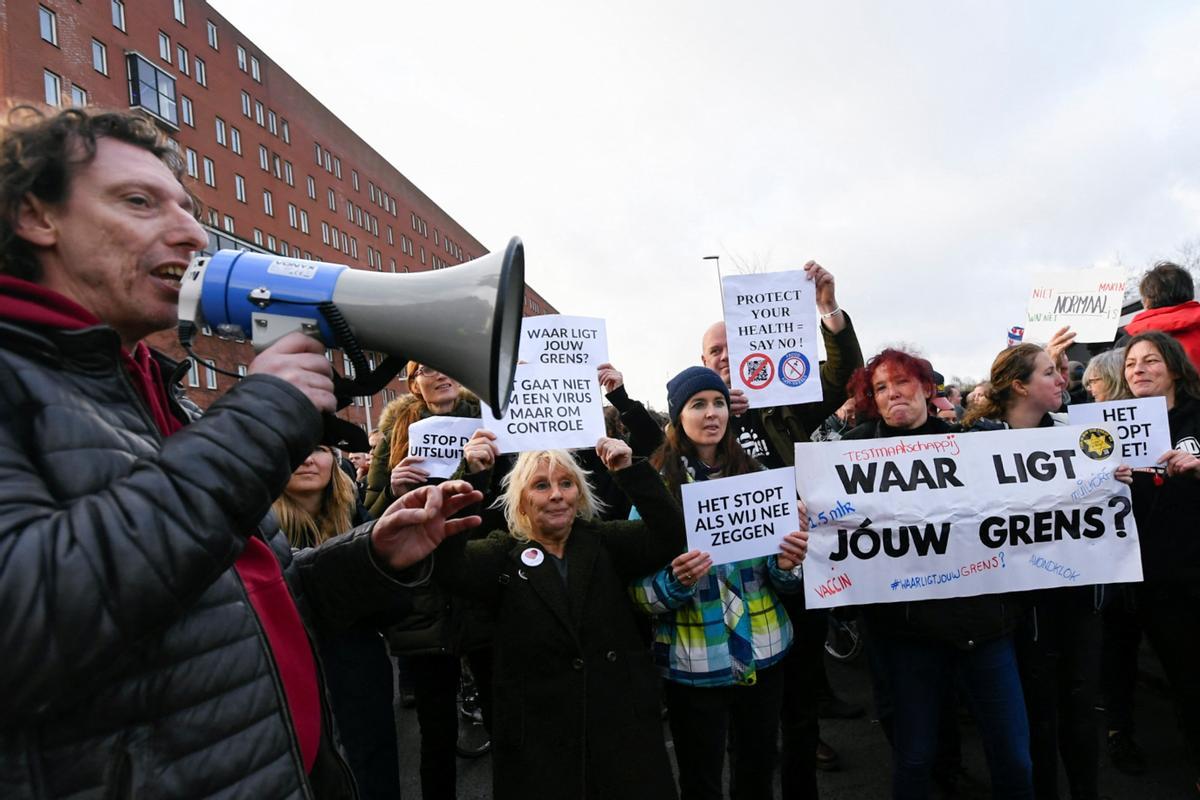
x=155, y=635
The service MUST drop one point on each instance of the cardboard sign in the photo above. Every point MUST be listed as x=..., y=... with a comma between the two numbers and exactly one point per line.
x=1141, y=427
x=1087, y=300
x=439, y=441
x=743, y=517
x=771, y=325
x=555, y=339
x=552, y=407
x=913, y=518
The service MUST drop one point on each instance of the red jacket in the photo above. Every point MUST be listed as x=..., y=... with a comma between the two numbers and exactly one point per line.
x=1181, y=322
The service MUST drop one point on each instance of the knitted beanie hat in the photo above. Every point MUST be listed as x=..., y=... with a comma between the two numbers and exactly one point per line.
x=689, y=382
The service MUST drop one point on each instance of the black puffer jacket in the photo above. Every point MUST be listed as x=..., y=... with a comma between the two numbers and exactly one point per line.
x=963, y=622
x=133, y=664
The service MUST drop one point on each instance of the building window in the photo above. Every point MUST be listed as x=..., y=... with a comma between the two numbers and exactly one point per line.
x=180, y=17
x=255, y=72
x=268, y=204
x=210, y=375
x=164, y=47
x=79, y=97
x=212, y=35
x=228, y=223
x=245, y=105
x=354, y=178
x=258, y=112
x=118, y=14
x=349, y=211
x=278, y=165
x=328, y=162
x=312, y=188
x=293, y=217
x=337, y=167
x=53, y=88
x=304, y=221
x=201, y=72
x=317, y=149
x=258, y=237
x=324, y=233
x=99, y=57
x=210, y=172
x=390, y=237
x=241, y=370
x=287, y=134
x=287, y=173
x=392, y=264
x=332, y=201
x=241, y=58
x=264, y=158
x=193, y=168
x=271, y=123
x=185, y=110
x=214, y=218
x=270, y=242
x=152, y=89
x=181, y=59
x=48, y=22
x=220, y=123
x=193, y=373
x=235, y=140
x=239, y=187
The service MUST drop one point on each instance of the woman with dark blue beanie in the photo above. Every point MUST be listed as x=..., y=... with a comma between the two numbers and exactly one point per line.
x=719, y=632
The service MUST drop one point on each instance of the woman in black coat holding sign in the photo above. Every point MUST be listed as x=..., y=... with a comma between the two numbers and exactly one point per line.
x=1166, y=504
x=1059, y=636
x=576, y=698
x=927, y=645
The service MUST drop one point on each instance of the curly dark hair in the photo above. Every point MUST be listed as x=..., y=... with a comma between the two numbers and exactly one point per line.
x=1187, y=379
x=41, y=151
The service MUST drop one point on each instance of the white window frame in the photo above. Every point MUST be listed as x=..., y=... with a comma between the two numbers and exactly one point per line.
x=285, y=130
x=100, y=53
x=211, y=28
x=201, y=71
x=45, y=16
x=164, y=48
x=118, y=15
x=312, y=188
x=182, y=59
x=193, y=373
x=193, y=162
x=180, y=12
x=264, y=158
x=246, y=105
x=258, y=112
x=227, y=223
x=210, y=374
x=219, y=124
x=255, y=69
x=241, y=58
x=239, y=187
x=187, y=114
x=79, y=96
x=303, y=221
x=52, y=88
x=235, y=139
x=210, y=172
x=293, y=216
x=268, y=205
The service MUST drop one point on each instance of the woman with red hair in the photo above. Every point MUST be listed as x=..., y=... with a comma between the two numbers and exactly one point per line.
x=926, y=645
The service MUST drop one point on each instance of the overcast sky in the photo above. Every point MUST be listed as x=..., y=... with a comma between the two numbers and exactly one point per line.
x=933, y=156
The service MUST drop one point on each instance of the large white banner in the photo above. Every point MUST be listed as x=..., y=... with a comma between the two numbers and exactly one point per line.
x=557, y=339
x=552, y=407
x=911, y=518
x=771, y=325
x=1087, y=300
x=1141, y=427
x=439, y=442
x=742, y=517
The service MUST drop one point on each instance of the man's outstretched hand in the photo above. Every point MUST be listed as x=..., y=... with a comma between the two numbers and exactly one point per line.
x=412, y=527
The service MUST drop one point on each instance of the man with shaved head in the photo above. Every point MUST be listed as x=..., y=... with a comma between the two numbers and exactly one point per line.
x=769, y=434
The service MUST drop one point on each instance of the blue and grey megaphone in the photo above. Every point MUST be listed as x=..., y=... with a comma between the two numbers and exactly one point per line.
x=465, y=320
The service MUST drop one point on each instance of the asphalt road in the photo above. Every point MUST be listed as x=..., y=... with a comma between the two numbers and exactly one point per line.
x=866, y=760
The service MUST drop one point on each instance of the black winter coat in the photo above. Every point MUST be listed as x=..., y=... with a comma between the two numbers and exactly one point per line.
x=576, y=695
x=1167, y=509
x=963, y=622
x=133, y=664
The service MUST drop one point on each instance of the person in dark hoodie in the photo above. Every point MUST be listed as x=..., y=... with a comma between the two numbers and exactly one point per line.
x=1166, y=505
x=923, y=646
x=1059, y=638
x=159, y=642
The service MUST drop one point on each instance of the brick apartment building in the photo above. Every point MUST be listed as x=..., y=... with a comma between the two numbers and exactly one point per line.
x=274, y=169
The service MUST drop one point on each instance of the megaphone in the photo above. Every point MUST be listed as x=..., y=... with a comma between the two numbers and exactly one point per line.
x=465, y=321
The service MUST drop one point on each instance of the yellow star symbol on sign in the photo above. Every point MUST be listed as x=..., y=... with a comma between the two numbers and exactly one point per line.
x=1096, y=443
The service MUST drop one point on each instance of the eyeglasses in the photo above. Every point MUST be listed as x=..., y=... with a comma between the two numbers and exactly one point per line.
x=424, y=371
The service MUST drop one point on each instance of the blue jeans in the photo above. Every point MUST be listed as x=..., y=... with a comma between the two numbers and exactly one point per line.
x=989, y=682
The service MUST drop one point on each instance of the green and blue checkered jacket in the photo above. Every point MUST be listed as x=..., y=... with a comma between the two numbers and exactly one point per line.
x=691, y=636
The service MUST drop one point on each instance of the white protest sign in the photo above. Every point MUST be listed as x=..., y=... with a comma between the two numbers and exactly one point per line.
x=552, y=407
x=1087, y=300
x=556, y=339
x=913, y=518
x=771, y=326
x=746, y=516
x=1141, y=427
x=440, y=440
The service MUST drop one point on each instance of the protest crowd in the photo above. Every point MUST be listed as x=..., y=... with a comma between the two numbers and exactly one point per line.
x=211, y=604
